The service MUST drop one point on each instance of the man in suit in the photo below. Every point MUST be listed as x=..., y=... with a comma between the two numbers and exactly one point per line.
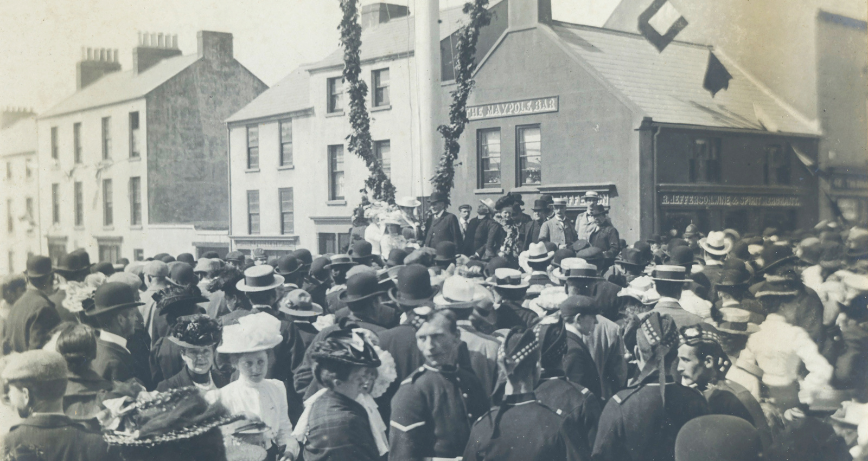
x=579, y=314
x=540, y=215
x=33, y=316
x=477, y=242
x=464, y=218
x=36, y=382
x=604, y=292
x=115, y=311
x=442, y=225
x=669, y=281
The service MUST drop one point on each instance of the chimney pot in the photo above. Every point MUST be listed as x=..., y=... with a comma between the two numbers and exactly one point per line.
x=140, y=38
x=83, y=53
x=153, y=39
x=175, y=41
x=161, y=40
x=89, y=54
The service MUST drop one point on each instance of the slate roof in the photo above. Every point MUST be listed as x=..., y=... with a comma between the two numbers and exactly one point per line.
x=288, y=95
x=18, y=138
x=667, y=86
x=121, y=86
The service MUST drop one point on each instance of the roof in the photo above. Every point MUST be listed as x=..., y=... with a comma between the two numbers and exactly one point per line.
x=122, y=86
x=668, y=87
x=289, y=95
x=18, y=138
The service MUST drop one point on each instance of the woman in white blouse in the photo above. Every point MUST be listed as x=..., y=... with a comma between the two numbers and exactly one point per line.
x=252, y=395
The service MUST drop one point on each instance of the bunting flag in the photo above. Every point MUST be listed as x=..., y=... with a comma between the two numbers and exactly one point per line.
x=716, y=76
x=660, y=23
x=810, y=165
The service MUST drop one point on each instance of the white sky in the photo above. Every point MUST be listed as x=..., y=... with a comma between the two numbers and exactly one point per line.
x=41, y=40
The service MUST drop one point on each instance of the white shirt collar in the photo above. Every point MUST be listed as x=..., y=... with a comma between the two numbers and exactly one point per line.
x=113, y=338
x=713, y=262
x=438, y=215
x=572, y=329
x=667, y=299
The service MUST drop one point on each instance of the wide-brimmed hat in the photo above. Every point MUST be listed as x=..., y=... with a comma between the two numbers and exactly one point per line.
x=538, y=253
x=348, y=346
x=407, y=201
x=175, y=297
x=540, y=205
x=412, y=286
x=259, y=278
x=110, y=297
x=776, y=255
x=488, y=203
x=631, y=257
x=298, y=304
x=735, y=320
x=446, y=251
x=197, y=330
x=509, y=279
x=253, y=333
x=597, y=210
x=716, y=243
x=75, y=263
x=361, y=286
x=669, y=273
x=642, y=290
x=396, y=257
x=289, y=265
x=339, y=260
x=460, y=293
x=38, y=266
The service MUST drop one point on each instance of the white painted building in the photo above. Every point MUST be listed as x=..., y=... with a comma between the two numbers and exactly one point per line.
x=19, y=194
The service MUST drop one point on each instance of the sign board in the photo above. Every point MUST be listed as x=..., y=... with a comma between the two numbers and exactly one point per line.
x=270, y=244
x=731, y=200
x=577, y=199
x=849, y=183
x=513, y=108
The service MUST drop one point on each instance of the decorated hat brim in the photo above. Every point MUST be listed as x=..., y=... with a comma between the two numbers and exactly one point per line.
x=103, y=310
x=242, y=349
x=129, y=440
x=315, y=309
x=351, y=299
x=191, y=345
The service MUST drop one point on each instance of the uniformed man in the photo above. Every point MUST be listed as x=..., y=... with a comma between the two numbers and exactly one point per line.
x=570, y=400
x=522, y=428
x=436, y=405
x=642, y=421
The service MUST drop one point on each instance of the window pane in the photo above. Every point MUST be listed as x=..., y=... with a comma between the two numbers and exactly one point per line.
x=76, y=142
x=383, y=151
x=336, y=172
x=286, y=143
x=530, y=156
x=253, y=211
x=79, y=205
x=106, y=138
x=252, y=147
x=488, y=151
x=135, y=148
x=54, y=143
x=135, y=201
x=335, y=94
x=55, y=203
x=286, y=211
x=108, y=207
x=381, y=87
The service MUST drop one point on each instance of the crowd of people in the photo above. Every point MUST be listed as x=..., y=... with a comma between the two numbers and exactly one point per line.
x=498, y=337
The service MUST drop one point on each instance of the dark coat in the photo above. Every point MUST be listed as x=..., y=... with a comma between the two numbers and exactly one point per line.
x=401, y=343
x=433, y=411
x=467, y=248
x=57, y=438
x=730, y=398
x=681, y=317
x=635, y=425
x=445, y=228
x=139, y=345
x=30, y=322
x=579, y=366
x=85, y=392
x=605, y=294
x=383, y=316
x=113, y=362
x=317, y=290
x=303, y=380
x=511, y=314
x=531, y=232
x=502, y=434
x=480, y=238
x=165, y=360
x=573, y=402
x=607, y=239
x=339, y=430
x=306, y=331
x=183, y=379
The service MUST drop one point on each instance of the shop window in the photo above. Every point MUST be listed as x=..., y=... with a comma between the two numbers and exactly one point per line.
x=252, y=147
x=381, y=87
x=785, y=220
x=286, y=143
x=253, y=212
x=335, y=95
x=383, y=151
x=488, y=158
x=705, y=160
x=331, y=243
x=529, y=152
x=776, y=168
x=56, y=250
x=336, y=172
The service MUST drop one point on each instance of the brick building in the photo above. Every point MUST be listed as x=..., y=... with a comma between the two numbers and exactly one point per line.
x=135, y=161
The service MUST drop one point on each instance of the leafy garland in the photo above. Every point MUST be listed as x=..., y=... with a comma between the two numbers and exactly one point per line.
x=444, y=178
x=359, y=141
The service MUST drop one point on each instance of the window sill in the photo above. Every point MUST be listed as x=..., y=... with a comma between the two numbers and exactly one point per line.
x=108, y=228
x=78, y=228
x=136, y=227
x=379, y=108
x=286, y=167
x=488, y=191
x=527, y=189
x=136, y=158
x=336, y=203
x=252, y=170
x=334, y=114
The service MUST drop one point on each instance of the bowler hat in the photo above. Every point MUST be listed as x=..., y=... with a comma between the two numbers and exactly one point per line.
x=210, y=255
x=74, y=263
x=288, y=265
x=160, y=256
x=681, y=256
x=504, y=202
x=577, y=304
x=168, y=259
x=438, y=197
x=631, y=257
x=540, y=205
x=446, y=251
x=319, y=267
x=187, y=258
x=494, y=264
x=412, y=286
x=734, y=277
x=303, y=255
x=339, y=260
x=776, y=255
x=233, y=256
x=396, y=257
x=182, y=274
x=591, y=254
x=669, y=273
x=562, y=254
x=105, y=267
x=644, y=250
x=259, y=278
x=38, y=266
x=362, y=250
x=361, y=286
x=718, y=438
x=597, y=210
x=112, y=296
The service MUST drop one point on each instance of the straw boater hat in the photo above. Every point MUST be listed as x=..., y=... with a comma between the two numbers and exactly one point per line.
x=297, y=303
x=642, y=290
x=538, y=253
x=735, y=320
x=409, y=202
x=253, y=333
x=577, y=268
x=509, y=279
x=197, y=330
x=716, y=243
x=259, y=278
x=664, y=273
x=460, y=293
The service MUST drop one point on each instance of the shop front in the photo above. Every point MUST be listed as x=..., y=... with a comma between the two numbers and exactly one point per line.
x=848, y=191
x=275, y=246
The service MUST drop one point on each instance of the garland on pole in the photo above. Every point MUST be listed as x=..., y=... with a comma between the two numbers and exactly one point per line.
x=444, y=178
x=359, y=141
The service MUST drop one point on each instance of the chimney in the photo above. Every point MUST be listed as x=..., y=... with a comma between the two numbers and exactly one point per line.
x=214, y=46
x=152, y=49
x=381, y=13
x=10, y=115
x=94, y=64
x=527, y=13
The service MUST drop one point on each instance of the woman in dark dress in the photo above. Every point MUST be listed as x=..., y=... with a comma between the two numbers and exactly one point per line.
x=197, y=336
x=85, y=389
x=338, y=428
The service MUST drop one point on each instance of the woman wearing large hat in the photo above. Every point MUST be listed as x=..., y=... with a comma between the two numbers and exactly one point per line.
x=197, y=336
x=247, y=344
x=173, y=303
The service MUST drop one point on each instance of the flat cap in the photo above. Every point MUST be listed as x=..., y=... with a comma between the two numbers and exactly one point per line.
x=156, y=269
x=35, y=365
x=578, y=304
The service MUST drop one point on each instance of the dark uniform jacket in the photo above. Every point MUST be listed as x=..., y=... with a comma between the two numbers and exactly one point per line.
x=522, y=429
x=338, y=430
x=572, y=402
x=113, y=362
x=401, y=343
x=30, y=322
x=579, y=366
x=56, y=438
x=511, y=314
x=673, y=309
x=442, y=229
x=635, y=424
x=433, y=411
x=730, y=398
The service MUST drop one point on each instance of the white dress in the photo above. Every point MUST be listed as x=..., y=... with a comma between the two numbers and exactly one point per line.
x=266, y=399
